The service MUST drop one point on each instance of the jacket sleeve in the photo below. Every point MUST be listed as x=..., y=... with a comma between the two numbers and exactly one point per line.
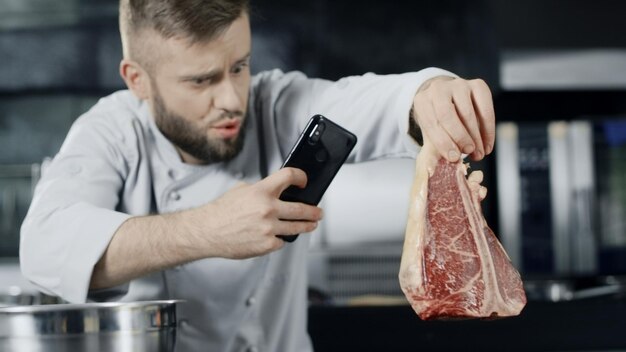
x=374, y=107
x=72, y=216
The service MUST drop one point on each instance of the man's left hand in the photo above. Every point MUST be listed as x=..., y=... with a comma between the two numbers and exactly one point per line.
x=456, y=116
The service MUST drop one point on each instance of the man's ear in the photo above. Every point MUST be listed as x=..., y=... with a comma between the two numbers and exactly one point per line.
x=136, y=78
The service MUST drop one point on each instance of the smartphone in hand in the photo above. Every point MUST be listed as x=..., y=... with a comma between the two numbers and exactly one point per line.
x=320, y=151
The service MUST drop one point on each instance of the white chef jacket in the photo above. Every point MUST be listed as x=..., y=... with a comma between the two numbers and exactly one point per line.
x=115, y=164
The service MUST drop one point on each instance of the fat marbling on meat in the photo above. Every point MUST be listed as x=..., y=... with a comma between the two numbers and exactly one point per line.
x=453, y=266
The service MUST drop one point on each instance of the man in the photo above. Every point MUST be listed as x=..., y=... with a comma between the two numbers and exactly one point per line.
x=170, y=189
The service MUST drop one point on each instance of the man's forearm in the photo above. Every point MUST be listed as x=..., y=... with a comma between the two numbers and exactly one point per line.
x=242, y=223
x=143, y=245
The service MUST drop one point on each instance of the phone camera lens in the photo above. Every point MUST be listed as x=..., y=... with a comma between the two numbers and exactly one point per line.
x=316, y=133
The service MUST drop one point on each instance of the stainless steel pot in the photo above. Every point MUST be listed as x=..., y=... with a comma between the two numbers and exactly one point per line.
x=17, y=299
x=136, y=326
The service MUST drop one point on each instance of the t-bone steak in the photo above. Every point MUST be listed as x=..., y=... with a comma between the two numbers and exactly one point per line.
x=452, y=263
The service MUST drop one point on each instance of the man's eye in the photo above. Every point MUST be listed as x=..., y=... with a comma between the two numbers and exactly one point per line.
x=199, y=81
x=239, y=68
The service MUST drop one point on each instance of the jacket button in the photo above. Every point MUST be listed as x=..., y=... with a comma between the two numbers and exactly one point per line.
x=250, y=301
x=174, y=196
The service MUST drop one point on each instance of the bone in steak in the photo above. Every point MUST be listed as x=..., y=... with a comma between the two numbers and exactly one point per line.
x=452, y=264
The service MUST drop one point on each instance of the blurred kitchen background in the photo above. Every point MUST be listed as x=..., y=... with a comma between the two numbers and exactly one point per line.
x=557, y=180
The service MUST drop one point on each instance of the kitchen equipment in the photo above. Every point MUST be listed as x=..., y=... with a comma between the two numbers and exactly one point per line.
x=547, y=188
x=562, y=195
x=16, y=185
x=15, y=296
x=9, y=299
x=133, y=326
x=551, y=290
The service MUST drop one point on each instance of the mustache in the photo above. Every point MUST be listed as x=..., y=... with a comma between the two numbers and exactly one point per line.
x=225, y=116
x=230, y=115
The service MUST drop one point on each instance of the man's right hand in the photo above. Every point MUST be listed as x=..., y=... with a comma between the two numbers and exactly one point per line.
x=244, y=222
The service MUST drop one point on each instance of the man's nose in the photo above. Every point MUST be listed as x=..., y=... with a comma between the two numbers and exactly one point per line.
x=227, y=98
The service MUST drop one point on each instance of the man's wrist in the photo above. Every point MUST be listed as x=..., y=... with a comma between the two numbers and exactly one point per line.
x=414, y=129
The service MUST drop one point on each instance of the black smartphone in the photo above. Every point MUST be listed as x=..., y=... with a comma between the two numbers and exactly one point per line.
x=320, y=151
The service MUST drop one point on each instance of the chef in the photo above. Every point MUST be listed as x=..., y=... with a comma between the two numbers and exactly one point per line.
x=169, y=190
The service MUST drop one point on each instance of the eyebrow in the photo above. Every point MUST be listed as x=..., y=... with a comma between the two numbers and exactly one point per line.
x=243, y=59
x=213, y=74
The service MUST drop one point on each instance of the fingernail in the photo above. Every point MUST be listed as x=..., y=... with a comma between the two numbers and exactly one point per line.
x=488, y=148
x=453, y=155
x=479, y=154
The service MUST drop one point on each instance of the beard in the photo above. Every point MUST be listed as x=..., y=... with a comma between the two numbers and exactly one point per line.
x=193, y=139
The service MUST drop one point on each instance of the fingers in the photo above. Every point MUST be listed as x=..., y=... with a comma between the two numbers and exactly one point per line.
x=277, y=182
x=291, y=218
x=453, y=125
x=465, y=111
x=281, y=180
x=457, y=116
x=298, y=211
x=295, y=227
x=433, y=131
x=483, y=103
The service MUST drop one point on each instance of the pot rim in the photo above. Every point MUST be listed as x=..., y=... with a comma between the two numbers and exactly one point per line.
x=62, y=307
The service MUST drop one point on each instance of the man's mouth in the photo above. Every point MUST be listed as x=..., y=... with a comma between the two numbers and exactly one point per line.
x=227, y=129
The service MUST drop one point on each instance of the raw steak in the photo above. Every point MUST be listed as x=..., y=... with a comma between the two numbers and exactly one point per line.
x=452, y=264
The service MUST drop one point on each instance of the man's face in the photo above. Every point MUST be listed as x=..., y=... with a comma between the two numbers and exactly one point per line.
x=199, y=93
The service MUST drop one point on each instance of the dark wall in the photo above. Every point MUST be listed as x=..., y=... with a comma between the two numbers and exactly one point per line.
x=557, y=24
x=322, y=38
x=334, y=39
x=328, y=39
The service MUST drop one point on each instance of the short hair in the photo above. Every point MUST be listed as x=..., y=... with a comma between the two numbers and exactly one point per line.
x=195, y=20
